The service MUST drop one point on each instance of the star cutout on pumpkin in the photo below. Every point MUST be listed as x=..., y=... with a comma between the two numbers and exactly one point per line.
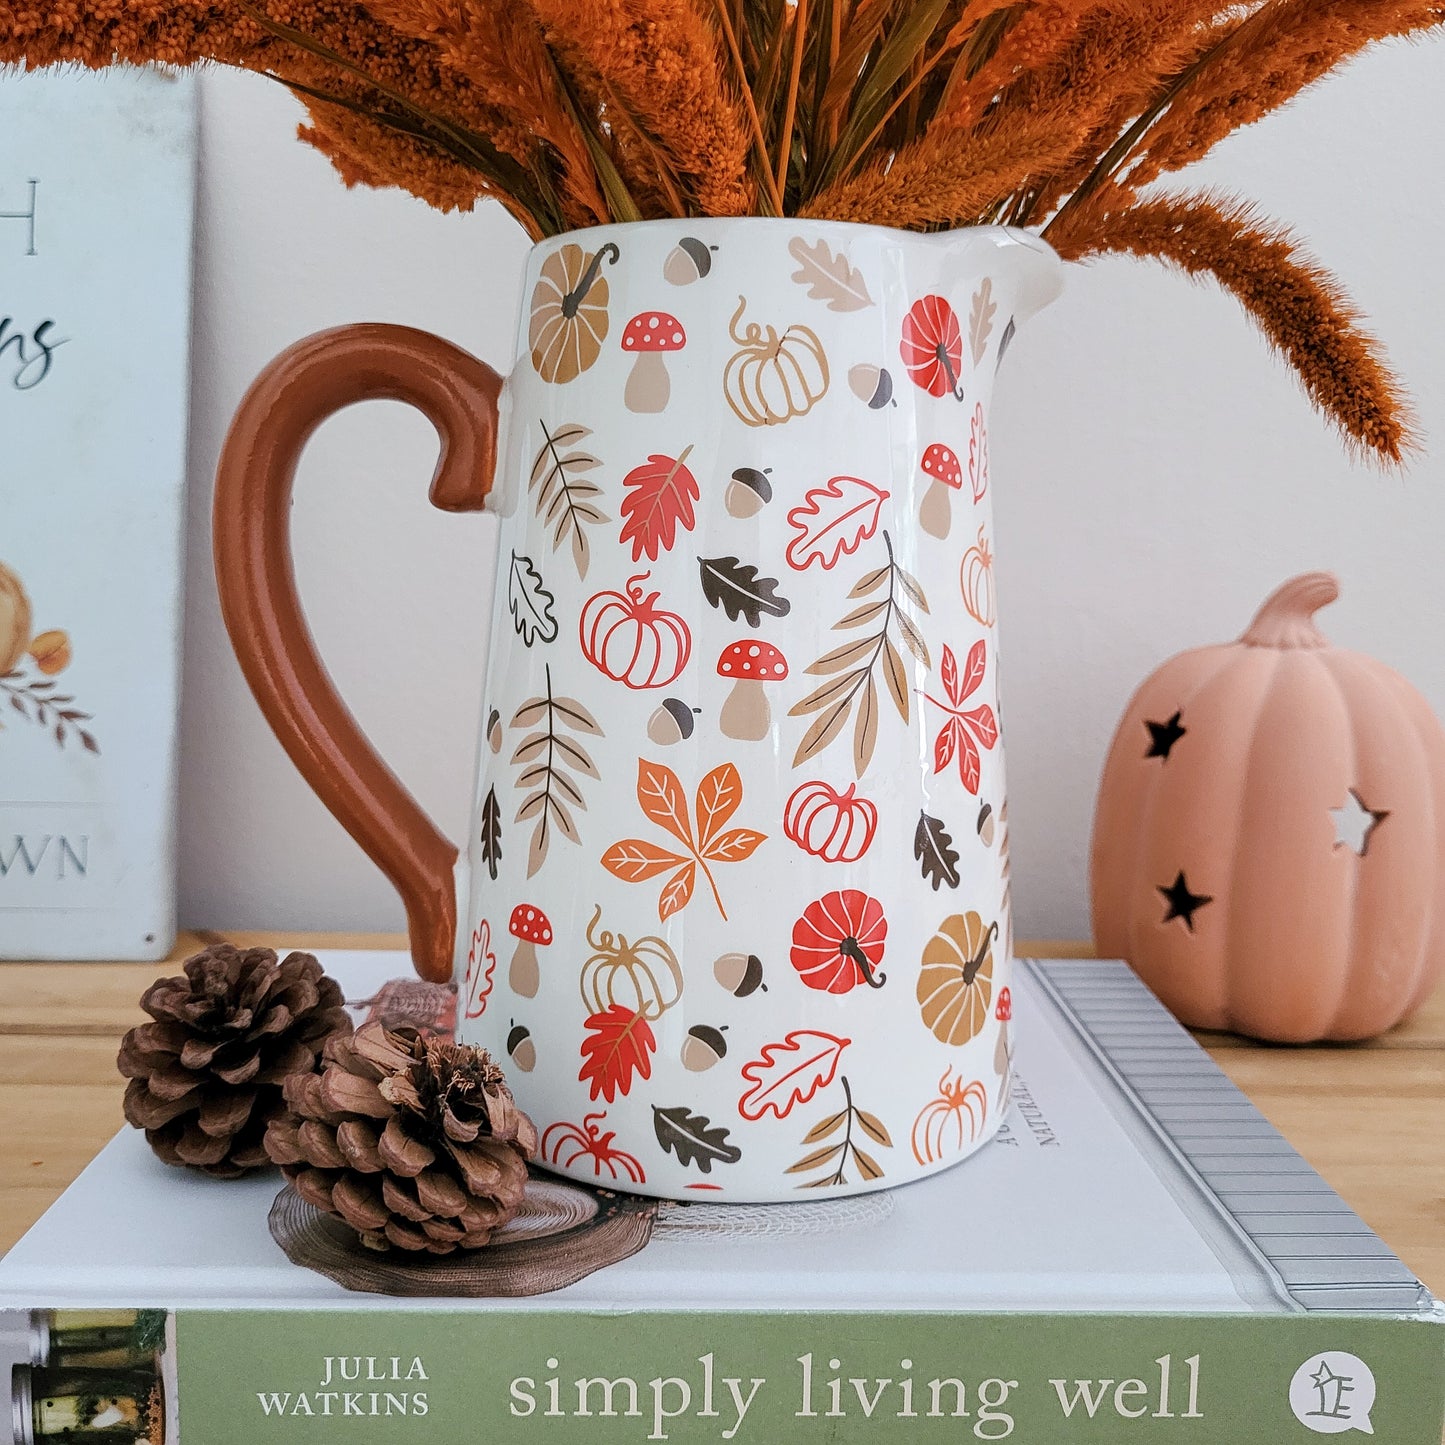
x=1182, y=903
x=1163, y=736
x=1355, y=823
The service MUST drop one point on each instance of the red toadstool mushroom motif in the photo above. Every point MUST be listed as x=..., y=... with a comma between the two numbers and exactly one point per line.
x=746, y=714
x=1005, y=1009
x=945, y=474
x=649, y=336
x=530, y=927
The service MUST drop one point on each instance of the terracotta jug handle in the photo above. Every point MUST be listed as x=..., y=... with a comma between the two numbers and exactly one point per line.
x=298, y=391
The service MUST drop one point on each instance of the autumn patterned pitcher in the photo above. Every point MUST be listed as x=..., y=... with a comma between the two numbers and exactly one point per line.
x=734, y=913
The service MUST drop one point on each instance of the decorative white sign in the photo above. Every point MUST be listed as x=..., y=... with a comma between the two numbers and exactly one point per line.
x=96, y=193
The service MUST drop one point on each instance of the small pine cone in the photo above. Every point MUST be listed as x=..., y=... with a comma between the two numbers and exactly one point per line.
x=206, y=1076
x=416, y=1143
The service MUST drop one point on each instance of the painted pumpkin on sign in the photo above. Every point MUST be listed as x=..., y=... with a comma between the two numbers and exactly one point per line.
x=14, y=620
x=630, y=638
x=772, y=378
x=1269, y=838
x=836, y=827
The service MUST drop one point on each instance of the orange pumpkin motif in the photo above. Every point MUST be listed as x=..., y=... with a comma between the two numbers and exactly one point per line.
x=567, y=323
x=975, y=576
x=955, y=983
x=836, y=827
x=630, y=638
x=950, y=1121
x=1269, y=838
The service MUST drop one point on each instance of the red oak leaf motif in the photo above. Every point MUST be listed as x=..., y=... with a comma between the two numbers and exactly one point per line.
x=790, y=1073
x=658, y=498
x=619, y=1044
x=966, y=730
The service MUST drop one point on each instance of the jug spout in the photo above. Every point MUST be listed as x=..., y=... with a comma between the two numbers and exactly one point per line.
x=1027, y=269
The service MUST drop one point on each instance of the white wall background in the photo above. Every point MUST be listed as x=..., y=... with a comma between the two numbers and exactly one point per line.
x=1157, y=472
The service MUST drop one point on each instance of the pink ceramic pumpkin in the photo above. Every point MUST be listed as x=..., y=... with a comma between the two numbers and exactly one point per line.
x=1269, y=840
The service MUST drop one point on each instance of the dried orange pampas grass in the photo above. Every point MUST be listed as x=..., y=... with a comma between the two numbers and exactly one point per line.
x=1053, y=114
x=1298, y=305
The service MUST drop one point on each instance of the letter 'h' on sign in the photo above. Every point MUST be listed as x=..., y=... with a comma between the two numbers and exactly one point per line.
x=28, y=217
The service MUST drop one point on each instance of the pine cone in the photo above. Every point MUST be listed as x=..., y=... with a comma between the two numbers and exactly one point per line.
x=206, y=1076
x=416, y=1143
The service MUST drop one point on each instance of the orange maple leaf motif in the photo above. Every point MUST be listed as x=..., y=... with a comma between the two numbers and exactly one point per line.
x=707, y=841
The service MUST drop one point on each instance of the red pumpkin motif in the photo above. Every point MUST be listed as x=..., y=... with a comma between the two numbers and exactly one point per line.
x=631, y=639
x=838, y=942
x=567, y=1145
x=932, y=346
x=836, y=827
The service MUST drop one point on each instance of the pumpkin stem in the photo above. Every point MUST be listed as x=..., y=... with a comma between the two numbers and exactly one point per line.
x=1286, y=618
x=850, y=949
x=574, y=298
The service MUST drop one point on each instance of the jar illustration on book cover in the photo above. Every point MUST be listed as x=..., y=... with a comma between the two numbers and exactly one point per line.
x=733, y=913
x=85, y=1407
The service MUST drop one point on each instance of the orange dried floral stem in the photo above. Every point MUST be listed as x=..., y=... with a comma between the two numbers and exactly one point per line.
x=666, y=179
x=1301, y=309
x=790, y=104
x=735, y=54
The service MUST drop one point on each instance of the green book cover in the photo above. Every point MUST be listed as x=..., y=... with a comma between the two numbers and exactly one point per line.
x=1139, y=1255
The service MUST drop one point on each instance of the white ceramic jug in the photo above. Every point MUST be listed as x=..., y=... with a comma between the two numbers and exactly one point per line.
x=734, y=913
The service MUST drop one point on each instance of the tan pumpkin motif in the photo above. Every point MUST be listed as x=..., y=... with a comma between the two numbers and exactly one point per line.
x=630, y=638
x=975, y=576
x=772, y=378
x=14, y=620
x=568, y=320
x=1269, y=838
x=644, y=976
x=955, y=983
x=836, y=827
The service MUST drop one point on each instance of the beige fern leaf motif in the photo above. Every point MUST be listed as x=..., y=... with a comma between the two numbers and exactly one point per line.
x=828, y=277
x=852, y=668
x=980, y=320
x=552, y=756
x=564, y=498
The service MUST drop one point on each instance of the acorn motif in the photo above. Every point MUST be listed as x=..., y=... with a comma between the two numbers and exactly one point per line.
x=703, y=1047
x=871, y=384
x=521, y=1048
x=748, y=491
x=986, y=824
x=688, y=261
x=494, y=731
x=740, y=973
x=673, y=722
